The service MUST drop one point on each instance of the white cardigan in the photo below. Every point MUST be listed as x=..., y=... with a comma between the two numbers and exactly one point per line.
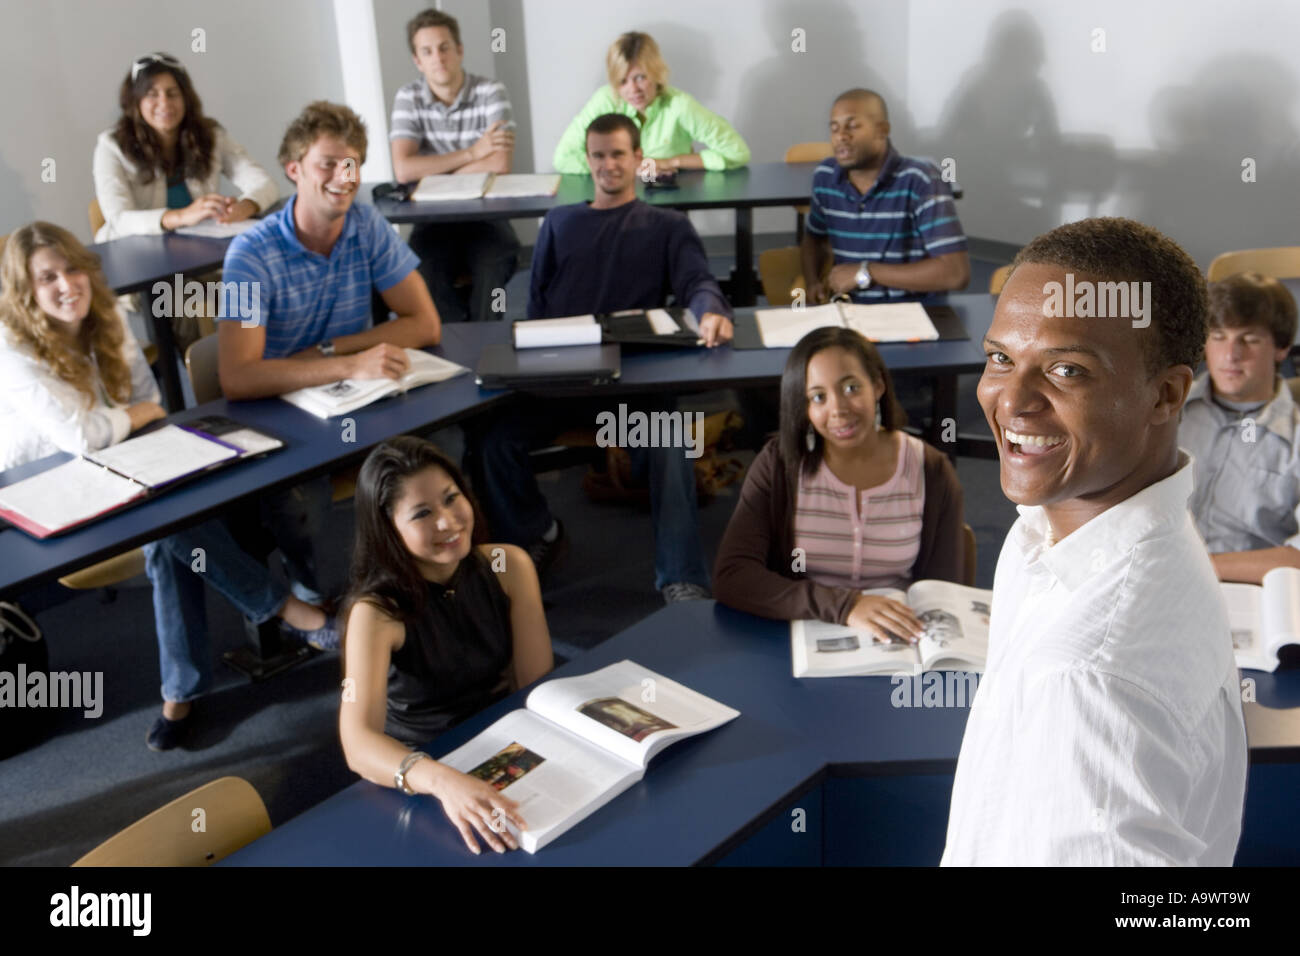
x=134, y=208
x=44, y=414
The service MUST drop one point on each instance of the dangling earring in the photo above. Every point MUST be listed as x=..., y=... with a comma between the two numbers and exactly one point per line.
x=811, y=440
x=880, y=421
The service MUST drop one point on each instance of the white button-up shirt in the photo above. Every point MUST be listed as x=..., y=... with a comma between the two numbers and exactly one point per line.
x=1107, y=729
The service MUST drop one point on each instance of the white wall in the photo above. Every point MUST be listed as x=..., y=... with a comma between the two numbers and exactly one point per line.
x=61, y=62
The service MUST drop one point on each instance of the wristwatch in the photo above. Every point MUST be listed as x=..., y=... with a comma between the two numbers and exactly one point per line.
x=864, y=276
x=326, y=347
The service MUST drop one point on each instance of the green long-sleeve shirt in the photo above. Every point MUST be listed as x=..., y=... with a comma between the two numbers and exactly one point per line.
x=674, y=121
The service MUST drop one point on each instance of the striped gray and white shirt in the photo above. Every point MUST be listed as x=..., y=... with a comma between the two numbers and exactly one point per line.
x=438, y=128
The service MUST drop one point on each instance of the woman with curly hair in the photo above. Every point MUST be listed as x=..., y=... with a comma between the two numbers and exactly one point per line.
x=73, y=378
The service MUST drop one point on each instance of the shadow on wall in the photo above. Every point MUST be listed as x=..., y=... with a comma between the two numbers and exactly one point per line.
x=786, y=98
x=512, y=70
x=16, y=209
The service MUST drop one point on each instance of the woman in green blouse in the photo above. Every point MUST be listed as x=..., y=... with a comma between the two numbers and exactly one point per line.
x=671, y=121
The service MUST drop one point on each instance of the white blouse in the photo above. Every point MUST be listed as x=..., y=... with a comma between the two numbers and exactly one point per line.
x=135, y=208
x=42, y=414
x=1107, y=729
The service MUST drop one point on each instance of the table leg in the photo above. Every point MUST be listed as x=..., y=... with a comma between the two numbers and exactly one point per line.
x=943, y=409
x=173, y=397
x=268, y=653
x=744, y=280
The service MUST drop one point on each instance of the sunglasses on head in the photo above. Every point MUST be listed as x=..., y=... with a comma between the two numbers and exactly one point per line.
x=151, y=58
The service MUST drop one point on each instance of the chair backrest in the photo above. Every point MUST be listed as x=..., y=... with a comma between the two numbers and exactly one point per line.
x=1280, y=262
x=968, y=538
x=201, y=363
x=780, y=270
x=233, y=816
x=998, y=279
x=96, y=217
x=808, y=152
x=1294, y=385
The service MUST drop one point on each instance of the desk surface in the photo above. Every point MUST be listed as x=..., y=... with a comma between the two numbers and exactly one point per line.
x=314, y=446
x=759, y=184
x=133, y=263
x=699, y=798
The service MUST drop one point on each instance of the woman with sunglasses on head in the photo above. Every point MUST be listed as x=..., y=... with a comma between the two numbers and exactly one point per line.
x=73, y=378
x=841, y=501
x=441, y=625
x=671, y=121
x=160, y=167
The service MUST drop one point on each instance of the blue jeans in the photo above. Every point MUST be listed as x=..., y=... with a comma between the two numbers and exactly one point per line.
x=294, y=518
x=487, y=251
x=517, y=512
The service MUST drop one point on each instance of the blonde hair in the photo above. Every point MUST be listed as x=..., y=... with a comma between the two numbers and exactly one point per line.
x=32, y=329
x=322, y=118
x=635, y=49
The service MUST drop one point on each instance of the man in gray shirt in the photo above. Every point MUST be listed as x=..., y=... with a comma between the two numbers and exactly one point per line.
x=450, y=121
x=1242, y=427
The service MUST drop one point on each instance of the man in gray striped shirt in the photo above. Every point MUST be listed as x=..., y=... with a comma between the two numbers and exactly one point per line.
x=450, y=121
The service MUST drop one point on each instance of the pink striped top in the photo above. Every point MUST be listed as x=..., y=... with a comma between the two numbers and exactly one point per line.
x=872, y=545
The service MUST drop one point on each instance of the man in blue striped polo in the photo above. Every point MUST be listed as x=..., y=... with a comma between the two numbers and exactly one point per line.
x=887, y=221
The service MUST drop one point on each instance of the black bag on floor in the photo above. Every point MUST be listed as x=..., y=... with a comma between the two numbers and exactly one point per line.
x=22, y=651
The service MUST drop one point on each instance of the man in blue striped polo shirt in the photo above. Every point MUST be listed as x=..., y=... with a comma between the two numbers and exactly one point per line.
x=887, y=221
x=450, y=121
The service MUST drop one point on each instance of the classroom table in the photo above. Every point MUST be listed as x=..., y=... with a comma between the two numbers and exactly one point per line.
x=315, y=446
x=871, y=778
x=744, y=190
x=137, y=263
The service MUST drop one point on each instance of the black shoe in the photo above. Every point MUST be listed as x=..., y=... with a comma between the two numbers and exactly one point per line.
x=167, y=734
x=545, y=554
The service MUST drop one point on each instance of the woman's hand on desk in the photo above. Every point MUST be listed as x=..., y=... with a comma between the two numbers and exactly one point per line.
x=883, y=617
x=142, y=413
x=211, y=206
x=473, y=805
x=715, y=329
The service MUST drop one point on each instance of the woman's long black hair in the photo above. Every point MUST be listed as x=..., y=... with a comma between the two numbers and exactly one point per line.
x=196, y=138
x=383, y=570
x=794, y=399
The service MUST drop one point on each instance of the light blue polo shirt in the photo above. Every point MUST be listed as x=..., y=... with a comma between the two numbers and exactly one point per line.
x=305, y=298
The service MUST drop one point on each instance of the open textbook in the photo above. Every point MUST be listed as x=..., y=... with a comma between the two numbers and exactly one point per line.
x=339, y=398
x=100, y=482
x=956, y=637
x=581, y=741
x=1264, y=619
x=882, y=322
x=449, y=187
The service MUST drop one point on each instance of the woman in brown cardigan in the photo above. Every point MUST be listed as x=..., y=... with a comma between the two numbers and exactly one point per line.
x=840, y=443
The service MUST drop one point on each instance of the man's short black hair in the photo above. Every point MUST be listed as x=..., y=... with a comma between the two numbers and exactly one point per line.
x=1114, y=249
x=608, y=123
x=870, y=96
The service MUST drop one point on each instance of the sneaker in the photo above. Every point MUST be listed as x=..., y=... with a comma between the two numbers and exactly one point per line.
x=546, y=554
x=683, y=591
x=326, y=638
x=166, y=734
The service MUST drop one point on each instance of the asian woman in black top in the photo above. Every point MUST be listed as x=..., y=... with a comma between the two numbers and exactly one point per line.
x=441, y=625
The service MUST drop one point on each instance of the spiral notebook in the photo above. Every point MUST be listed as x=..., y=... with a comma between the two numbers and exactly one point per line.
x=99, y=483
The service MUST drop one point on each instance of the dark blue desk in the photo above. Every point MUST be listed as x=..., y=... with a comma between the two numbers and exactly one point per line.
x=829, y=747
x=744, y=190
x=136, y=263
x=314, y=446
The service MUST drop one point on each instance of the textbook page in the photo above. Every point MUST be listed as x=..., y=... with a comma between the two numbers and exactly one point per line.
x=783, y=328
x=448, y=187
x=66, y=495
x=349, y=394
x=890, y=321
x=628, y=710
x=556, y=777
x=956, y=622
x=554, y=333
x=521, y=185
x=820, y=649
x=161, y=457
x=218, y=230
x=1244, y=603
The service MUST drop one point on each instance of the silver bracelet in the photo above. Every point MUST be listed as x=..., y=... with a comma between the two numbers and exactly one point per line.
x=399, y=778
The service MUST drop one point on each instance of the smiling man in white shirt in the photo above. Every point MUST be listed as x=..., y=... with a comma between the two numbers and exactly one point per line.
x=1107, y=729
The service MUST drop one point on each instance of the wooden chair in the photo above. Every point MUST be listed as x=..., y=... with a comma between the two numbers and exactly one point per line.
x=96, y=217
x=805, y=153
x=1280, y=262
x=233, y=817
x=1294, y=385
x=968, y=537
x=998, y=279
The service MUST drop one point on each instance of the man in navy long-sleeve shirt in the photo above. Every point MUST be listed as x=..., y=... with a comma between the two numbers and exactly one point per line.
x=612, y=254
